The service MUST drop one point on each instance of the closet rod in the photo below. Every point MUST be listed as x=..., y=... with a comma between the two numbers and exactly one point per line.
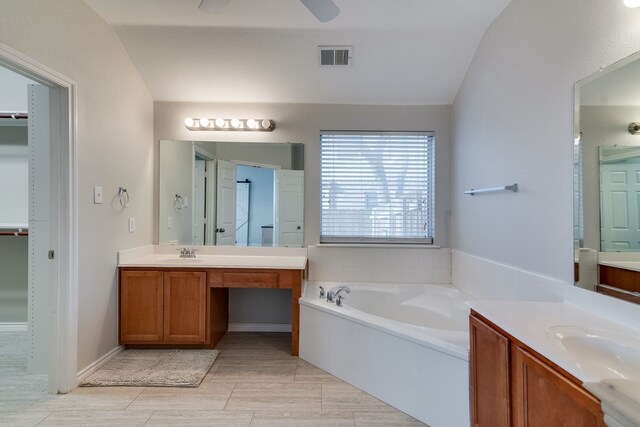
x=14, y=233
x=16, y=116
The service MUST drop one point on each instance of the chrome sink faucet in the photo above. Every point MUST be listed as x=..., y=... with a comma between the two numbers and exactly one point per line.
x=187, y=253
x=331, y=295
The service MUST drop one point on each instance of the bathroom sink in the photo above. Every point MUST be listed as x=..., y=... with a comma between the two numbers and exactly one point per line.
x=600, y=353
x=180, y=261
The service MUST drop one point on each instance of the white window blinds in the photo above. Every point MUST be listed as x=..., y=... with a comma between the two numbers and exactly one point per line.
x=377, y=187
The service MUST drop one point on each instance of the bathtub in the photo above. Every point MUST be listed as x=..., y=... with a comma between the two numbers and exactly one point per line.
x=407, y=345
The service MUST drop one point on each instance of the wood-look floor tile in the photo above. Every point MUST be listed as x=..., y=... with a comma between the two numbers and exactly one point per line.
x=22, y=418
x=311, y=374
x=275, y=397
x=255, y=371
x=385, y=419
x=201, y=418
x=344, y=397
x=208, y=397
x=101, y=418
x=90, y=399
x=302, y=419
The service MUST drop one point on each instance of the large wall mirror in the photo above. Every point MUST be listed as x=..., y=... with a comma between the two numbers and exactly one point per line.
x=607, y=178
x=230, y=193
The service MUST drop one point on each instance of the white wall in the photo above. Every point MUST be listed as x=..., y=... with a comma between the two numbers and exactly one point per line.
x=176, y=177
x=114, y=129
x=302, y=123
x=13, y=87
x=14, y=175
x=513, y=122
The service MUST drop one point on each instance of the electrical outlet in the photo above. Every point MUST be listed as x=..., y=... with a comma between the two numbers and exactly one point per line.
x=170, y=222
x=97, y=195
x=132, y=225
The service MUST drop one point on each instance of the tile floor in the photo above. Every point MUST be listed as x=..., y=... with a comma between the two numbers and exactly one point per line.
x=254, y=382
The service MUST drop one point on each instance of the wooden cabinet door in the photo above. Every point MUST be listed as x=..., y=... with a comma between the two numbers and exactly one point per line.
x=185, y=307
x=141, y=307
x=490, y=382
x=544, y=397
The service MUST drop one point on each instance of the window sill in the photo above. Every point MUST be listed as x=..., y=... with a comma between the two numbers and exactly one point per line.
x=376, y=245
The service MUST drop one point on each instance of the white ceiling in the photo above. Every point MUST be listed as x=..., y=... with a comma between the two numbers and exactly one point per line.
x=405, y=52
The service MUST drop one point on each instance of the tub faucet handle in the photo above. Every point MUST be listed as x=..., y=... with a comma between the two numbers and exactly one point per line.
x=339, y=299
x=340, y=289
x=322, y=293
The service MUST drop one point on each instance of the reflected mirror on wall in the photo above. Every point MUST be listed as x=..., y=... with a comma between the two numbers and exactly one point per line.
x=606, y=188
x=230, y=193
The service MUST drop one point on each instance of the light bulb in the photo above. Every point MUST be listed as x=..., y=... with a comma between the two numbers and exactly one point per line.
x=632, y=3
x=204, y=122
x=252, y=124
x=266, y=123
x=189, y=122
x=220, y=122
x=235, y=122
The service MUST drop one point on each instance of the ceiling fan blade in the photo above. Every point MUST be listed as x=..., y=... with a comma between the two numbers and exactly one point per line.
x=213, y=6
x=324, y=10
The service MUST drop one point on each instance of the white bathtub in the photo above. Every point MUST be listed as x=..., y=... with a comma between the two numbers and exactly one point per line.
x=407, y=345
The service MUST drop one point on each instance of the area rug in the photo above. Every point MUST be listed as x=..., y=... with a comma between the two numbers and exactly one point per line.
x=154, y=368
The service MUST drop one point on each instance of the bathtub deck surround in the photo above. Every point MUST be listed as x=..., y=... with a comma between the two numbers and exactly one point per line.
x=588, y=347
x=170, y=301
x=410, y=343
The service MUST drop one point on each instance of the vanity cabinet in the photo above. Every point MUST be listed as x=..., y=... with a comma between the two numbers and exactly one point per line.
x=185, y=307
x=512, y=385
x=163, y=307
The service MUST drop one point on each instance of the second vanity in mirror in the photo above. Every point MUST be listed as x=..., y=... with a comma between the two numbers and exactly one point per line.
x=607, y=181
x=230, y=193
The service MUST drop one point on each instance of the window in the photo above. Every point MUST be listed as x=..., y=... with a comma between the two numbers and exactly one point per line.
x=377, y=187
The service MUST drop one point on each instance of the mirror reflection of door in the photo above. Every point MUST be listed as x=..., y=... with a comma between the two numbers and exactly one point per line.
x=226, y=209
x=619, y=193
x=289, y=208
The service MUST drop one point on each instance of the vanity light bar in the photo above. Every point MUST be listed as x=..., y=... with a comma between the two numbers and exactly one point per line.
x=235, y=124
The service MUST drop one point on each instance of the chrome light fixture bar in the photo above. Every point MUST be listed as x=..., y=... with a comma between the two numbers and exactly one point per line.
x=234, y=124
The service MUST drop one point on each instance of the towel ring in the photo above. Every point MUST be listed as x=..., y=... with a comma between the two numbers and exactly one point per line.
x=123, y=197
x=178, y=202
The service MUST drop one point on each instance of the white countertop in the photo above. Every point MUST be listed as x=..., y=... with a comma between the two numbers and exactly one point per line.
x=163, y=256
x=529, y=321
x=626, y=265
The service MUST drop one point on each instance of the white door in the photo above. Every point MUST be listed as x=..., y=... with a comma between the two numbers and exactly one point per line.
x=620, y=203
x=242, y=213
x=210, y=203
x=40, y=314
x=198, y=201
x=226, y=200
x=288, y=208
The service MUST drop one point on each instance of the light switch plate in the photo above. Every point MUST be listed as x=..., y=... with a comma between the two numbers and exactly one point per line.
x=132, y=225
x=97, y=195
x=170, y=222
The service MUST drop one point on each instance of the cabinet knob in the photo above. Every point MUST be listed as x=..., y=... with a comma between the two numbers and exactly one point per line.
x=298, y=227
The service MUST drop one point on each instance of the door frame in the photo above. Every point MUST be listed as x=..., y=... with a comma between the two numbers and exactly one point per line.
x=64, y=216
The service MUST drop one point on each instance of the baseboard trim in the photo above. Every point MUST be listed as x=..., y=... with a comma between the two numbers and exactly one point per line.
x=259, y=327
x=98, y=364
x=14, y=327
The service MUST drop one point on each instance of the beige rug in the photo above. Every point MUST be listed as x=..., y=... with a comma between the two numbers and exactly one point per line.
x=154, y=368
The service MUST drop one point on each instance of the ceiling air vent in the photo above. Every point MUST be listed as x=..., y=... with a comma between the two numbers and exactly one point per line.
x=332, y=56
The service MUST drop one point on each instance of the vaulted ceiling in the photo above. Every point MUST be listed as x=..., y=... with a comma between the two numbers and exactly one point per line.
x=405, y=52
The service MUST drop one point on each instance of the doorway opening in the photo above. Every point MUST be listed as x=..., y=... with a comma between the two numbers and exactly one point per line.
x=45, y=215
